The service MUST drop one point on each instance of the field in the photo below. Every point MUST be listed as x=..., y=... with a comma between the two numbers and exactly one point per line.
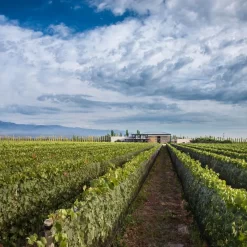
x=214, y=181
x=86, y=189
x=37, y=178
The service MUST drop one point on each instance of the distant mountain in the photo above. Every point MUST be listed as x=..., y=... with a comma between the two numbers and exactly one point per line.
x=10, y=129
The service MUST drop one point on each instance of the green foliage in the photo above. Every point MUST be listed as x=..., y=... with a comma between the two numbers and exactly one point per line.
x=220, y=209
x=209, y=140
x=218, y=150
x=37, y=178
x=55, y=138
x=33, y=240
x=233, y=147
x=94, y=216
x=233, y=170
x=127, y=133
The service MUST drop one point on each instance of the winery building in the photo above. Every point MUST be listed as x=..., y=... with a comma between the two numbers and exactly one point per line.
x=150, y=137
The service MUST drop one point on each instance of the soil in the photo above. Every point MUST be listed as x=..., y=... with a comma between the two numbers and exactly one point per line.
x=160, y=215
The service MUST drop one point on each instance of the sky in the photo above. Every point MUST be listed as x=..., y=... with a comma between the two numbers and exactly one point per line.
x=177, y=66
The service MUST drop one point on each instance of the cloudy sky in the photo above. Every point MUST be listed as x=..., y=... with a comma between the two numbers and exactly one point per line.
x=176, y=66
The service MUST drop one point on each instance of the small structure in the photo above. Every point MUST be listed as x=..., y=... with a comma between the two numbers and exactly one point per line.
x=183, y=140
x=118, y=138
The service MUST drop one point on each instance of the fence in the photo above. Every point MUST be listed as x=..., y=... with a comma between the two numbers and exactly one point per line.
x=239, y=140
x=56, y=138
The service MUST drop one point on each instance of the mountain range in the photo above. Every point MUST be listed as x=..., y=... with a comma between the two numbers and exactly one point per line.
x=10, y=129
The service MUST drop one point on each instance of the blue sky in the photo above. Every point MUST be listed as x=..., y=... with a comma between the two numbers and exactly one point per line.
x=176, y=66
x=40, y=14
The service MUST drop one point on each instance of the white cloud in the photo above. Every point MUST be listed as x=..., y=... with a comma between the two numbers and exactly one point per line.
x=76, y=7
x=192, y=55
x=186, y=10
x=120, y=6
x=60, y=30
x=2, y=19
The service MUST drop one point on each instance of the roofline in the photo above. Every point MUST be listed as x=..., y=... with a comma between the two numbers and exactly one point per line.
x=157, y=134
x=135, y=138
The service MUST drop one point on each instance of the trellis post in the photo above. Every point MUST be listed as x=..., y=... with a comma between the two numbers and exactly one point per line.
x=48, y=223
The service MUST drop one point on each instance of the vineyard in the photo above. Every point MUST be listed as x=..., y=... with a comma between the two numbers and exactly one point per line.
x=214, y=183
x=82, y=191
x=38, y=178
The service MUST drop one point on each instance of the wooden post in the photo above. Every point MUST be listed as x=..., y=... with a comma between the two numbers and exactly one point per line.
x=48, y=233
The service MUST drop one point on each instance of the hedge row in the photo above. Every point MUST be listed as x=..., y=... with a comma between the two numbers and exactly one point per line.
x=22, y=162
x=234, y=171
x=234, y=147
x=94, y=217
x=218, y=150
x=220, y=210
x=25, y=203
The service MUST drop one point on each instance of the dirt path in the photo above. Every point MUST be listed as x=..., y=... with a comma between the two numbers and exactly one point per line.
x=159, y=217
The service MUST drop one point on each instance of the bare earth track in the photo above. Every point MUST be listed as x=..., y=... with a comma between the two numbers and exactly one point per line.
x=159, y=217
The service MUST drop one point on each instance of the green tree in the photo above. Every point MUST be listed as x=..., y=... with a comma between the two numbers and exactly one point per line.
x=112, y=133
x=138, y=132
x=127, y=133
x=174, y=137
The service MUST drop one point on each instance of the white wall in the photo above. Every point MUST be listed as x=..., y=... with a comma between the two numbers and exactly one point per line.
x=115, y=138
x=183, y=140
